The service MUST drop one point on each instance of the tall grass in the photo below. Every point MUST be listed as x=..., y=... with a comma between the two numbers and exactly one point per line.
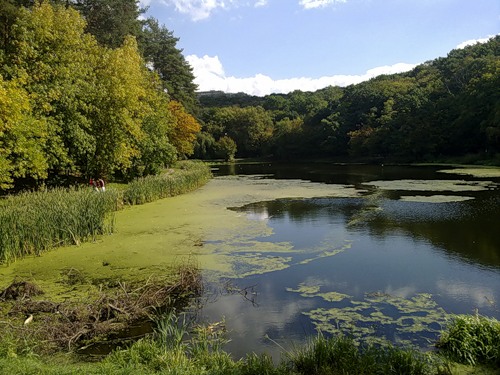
x=178, y=349
x=31, y=223
x=190, y=176
x=342, y=355
x=472, y=339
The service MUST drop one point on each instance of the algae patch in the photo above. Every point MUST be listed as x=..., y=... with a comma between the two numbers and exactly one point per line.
x=311, y=291
x=480, y=172
x=378, y=317
x=433, y=185
x=434, y=198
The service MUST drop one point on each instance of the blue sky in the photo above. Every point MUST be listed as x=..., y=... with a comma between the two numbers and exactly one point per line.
x=265, y=46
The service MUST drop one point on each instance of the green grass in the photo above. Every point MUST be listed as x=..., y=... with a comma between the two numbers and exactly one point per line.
x=179, y=347
x=31, y=223
x=472, y=340
x=147, y=189
x=342, y=355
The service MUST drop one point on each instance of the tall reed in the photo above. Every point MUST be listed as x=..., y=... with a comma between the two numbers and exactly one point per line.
x=191, y=175
x=31, y=223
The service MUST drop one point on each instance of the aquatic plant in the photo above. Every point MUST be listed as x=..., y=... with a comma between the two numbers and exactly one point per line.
x=31, y=223
x=472, y=339
x=190, y=176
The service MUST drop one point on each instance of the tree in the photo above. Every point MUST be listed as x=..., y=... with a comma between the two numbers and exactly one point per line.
x=159, y=49
x=22, y=137
x=54, y=60
x=185, y=129
x=111, y=21
x=226, y=148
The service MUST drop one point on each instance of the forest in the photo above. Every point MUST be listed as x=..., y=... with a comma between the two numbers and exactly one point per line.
x=93, y=88
x=444, y=109
x=90, y=88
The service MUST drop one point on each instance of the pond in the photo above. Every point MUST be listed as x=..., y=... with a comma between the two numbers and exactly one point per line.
x=388, y=257
x=375, y=252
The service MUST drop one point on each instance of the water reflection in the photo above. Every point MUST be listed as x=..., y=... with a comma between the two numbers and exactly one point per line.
x=374, y=266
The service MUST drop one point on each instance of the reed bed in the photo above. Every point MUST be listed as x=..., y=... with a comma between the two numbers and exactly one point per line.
x=189, y=177
x=31, y=223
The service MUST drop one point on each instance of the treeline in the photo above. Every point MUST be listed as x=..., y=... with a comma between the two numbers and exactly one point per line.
x=88, y=88
x=445, y=108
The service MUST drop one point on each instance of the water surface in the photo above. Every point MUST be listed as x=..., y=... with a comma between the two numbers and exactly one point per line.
x=388, y=263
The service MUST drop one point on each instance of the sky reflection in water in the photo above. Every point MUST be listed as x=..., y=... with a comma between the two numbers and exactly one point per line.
x=375, y=267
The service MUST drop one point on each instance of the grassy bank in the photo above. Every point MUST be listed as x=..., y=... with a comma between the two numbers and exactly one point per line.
x=179, y=348
x=31, y=223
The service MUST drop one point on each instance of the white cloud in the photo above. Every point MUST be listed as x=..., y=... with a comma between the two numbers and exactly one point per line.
x=471, y=42
x=195, y=9
x=311, y=4
x=201, y=9
x=210, y=75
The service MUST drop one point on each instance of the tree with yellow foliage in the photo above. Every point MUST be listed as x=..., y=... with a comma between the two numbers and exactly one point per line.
x=185, y=129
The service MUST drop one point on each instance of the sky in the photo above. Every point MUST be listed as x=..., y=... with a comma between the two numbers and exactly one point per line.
x=276, y=46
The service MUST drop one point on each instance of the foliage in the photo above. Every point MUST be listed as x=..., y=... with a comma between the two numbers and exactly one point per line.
x=110, y=21
x=71, y=104
x=226, y=148
x=448, y=107
x=472, y=339
x=184, y=132
x=249, y=127
x=158, y=46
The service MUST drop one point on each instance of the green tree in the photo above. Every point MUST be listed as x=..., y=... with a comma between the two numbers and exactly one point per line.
x=110, y=21
x=226, y=148
x=159, y=48
x=55, y=62
x=22, y=137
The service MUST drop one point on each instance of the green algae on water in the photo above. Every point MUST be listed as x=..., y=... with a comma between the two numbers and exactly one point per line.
x=434, y=198
x=480, y=172
x=150, y=238
x=376, y=316
x=433, y=185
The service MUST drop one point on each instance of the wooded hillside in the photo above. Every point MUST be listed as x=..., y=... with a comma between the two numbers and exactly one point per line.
x=448, y=107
